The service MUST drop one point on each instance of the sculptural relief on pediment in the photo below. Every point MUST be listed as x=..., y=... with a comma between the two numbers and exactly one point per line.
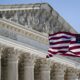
x=41, y=20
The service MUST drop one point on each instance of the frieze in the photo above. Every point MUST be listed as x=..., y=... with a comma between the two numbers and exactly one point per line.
x=24, y=32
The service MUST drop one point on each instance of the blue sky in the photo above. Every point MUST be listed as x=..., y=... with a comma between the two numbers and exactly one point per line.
x=68, y=9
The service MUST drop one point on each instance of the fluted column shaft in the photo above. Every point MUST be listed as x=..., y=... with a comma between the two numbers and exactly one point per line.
x=28, y=72
x=0, y=66
x=45, y=69
x=0, y=62
x=12, y=70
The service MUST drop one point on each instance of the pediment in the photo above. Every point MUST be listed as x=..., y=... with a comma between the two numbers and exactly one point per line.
x=39, y=17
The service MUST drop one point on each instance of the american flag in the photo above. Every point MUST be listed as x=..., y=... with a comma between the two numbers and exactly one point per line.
x=64, y=43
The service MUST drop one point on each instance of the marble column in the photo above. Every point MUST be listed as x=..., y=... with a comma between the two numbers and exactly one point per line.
x=58, y=72
x=28, y=67
x=11, y=64
x=0, y=60
x=72, y=74
x=79, y=77
x=78, y=74
x=45, y=69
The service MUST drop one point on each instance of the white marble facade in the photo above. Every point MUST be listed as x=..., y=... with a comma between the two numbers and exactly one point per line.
x=21, y=65
x=24, y=43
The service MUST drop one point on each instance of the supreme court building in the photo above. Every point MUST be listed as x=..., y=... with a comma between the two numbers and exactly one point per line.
x=24, y=30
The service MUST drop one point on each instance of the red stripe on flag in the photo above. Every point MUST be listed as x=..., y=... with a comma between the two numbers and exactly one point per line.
x=72, y=34
x=74, y=47
x=58, y=37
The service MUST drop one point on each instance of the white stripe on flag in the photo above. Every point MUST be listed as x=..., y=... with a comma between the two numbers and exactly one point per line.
x=57, y=40
x=75, y=50
x=54, y=50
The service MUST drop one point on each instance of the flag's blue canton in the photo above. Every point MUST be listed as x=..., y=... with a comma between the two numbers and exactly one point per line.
x=78, y=38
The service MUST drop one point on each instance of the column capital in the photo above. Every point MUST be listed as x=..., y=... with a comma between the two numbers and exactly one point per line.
x=1, y=49
x=27, y=59
x=45, y=61
x=72, y=73
x=59, y=66
x=44, y=64
x=10, y=54
x=72, y=70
